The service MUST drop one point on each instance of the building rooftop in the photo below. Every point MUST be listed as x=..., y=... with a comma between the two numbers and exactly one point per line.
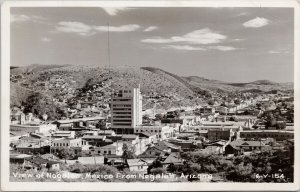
x=173, y=158
x=146, y=134
x=93, y=137
x=136, y=162
x=91, y=160
x=266, y=130
x=208, y=123
x=166, y=145
x=129, y=136
x=20, y=156
x=65, y=121
x=239, y=143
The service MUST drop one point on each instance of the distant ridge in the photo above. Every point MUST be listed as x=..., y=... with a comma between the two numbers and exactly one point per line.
x=177, y=90
x=35, y=68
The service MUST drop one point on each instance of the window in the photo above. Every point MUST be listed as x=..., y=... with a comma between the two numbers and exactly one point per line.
x=104, y=152
x=109, y=152
x=98, y=151
x=155, y=131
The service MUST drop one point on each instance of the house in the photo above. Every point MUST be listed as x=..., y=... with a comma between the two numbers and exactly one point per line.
x=59, y=144
x=156, y=151
x=130, y=137
x=63, y=134
x=215, y=147
x=206, y=110
x=18, y=158
x=185, y=145
x=39, y=163
x=115, y=161
x=137, y=165
x=166, y=146
x=278, y=135
x=91, y=160
x=16, y=135
x=111, y=149
x=32, y=148
x=241, y=146
x=18, y=117
x=217, y=134
x=69, y=124
x=49, y=156
x=106, y=132
x=163, y=132
x=97, y=140
x=173, y=159
x=152, y=138
x=189, y=120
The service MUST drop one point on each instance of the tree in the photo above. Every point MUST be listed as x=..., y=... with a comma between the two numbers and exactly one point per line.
x=237, y=101
x=159, y=116
x=211, y=102
x=146, y=118
x=241, y=172
x=65, y=154
x=128, y=152
x=101, y=124
x=158, y=170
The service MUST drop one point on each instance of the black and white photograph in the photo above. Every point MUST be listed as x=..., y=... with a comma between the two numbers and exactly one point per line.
x=137, y=95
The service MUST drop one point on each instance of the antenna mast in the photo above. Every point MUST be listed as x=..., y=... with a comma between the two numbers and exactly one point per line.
x=108, y=57
x=108, y=45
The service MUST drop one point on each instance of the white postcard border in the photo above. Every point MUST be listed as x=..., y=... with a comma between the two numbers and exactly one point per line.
x=60, y=186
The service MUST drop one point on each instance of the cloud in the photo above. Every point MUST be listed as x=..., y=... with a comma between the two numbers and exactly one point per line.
x=88, y=30
x=46, y=39
x=242, y=14
x=281, y=51
x=24, y=18
x=184, y=47
x=257, y=22
x=238, y=39
x=273, y=52
x=197, y=48
x=151, y=28
x=122, y=28
x=114, y=10
x=75, y=27
x=202, y=36
x=223, y=48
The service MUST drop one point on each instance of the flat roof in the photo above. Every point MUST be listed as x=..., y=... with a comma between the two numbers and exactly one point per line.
x=79, y=119
x=273, y=130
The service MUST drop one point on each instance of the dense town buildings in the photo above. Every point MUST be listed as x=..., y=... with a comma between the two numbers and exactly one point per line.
x=120, y=139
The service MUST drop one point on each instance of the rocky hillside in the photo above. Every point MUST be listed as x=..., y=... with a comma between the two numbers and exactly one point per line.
x=160, y=88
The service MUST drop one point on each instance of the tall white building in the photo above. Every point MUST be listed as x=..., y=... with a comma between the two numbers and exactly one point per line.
x=126, y=111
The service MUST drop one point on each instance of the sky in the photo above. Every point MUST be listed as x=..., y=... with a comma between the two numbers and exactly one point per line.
x=228, y=44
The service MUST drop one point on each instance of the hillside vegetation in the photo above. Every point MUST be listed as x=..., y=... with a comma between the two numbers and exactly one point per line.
x=161, y=89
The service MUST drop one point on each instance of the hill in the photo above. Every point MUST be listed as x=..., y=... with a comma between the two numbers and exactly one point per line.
x=161, y=89
x=33, y=68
